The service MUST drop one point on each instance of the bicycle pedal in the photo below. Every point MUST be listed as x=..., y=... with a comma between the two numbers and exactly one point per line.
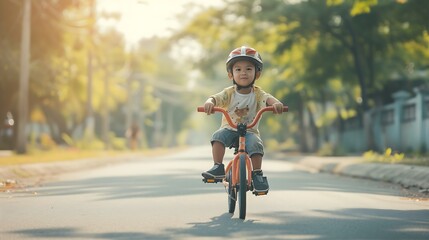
x=263, y=193
x=211, y=180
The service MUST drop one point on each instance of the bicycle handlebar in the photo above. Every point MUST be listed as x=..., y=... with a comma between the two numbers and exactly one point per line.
x=252, y=124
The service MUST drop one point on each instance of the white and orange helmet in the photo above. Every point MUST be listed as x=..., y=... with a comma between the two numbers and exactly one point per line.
x=244, y=53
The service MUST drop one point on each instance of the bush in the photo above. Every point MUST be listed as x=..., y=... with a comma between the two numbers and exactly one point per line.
x=388, y=156
x=118, y=143
x=46, y=142
x=328, y=149
x=274, y=145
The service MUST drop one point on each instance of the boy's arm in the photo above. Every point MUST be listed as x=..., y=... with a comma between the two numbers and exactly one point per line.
x=217, y=100
x=278, y=106
x=208, y=105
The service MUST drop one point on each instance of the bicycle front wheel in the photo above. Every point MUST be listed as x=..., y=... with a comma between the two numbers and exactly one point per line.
x=242, y=187
x=232, y=193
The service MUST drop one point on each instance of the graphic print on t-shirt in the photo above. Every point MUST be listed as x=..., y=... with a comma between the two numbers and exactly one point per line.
x=242, y=114
x=242, y=108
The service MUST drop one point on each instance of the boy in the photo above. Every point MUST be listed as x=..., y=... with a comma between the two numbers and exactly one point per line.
x=242, y=101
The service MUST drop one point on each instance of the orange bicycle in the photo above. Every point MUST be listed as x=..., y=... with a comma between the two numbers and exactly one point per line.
x=238, y=177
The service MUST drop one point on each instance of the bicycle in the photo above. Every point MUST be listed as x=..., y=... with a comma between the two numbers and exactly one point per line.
x=238, y=177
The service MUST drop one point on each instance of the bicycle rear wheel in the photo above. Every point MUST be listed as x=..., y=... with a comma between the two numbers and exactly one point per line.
x=242, y=187
x=232, y=193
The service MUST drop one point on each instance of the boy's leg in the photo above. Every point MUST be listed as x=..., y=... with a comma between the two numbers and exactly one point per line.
x=256, y=161
x=218, y=169
x=218, y=152
x=255, y=149
x=260, y=183
x=220, y=139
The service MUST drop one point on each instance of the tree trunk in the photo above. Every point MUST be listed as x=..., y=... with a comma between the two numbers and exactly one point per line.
x=303, y=144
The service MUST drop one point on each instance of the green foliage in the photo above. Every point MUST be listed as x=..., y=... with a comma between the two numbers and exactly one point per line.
x=89, y=143
x=321, y=57
x=274, y=145
x=388, y=156
x=326, y=59
x=64, y=38
x=68, y=140
x=328, y=149
x=117, y=143
x=362, y=7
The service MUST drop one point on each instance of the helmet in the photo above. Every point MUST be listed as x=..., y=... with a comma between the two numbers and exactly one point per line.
x=244, y=53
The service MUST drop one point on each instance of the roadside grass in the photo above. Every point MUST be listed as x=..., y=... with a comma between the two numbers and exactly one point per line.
x=391, y=157
x=418, y=161
x=69, y=154
x=9, y=158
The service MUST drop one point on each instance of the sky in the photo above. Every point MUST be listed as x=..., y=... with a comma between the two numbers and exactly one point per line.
x=147, y=18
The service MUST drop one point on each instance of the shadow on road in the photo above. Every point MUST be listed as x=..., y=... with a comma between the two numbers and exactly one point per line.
x=346, y=223
x=189, y=183
x=74, y=233
x=124, y=187
x=341, y=224
x=186, y=181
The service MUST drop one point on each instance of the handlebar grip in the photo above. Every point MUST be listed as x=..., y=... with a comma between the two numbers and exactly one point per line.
x=285, y=108
x=200, y=109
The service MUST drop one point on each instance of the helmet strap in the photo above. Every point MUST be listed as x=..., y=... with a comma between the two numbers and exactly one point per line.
x=239, y=87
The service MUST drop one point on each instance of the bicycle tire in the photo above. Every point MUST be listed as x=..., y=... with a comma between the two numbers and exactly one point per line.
x=232, y=193
x=242, y=187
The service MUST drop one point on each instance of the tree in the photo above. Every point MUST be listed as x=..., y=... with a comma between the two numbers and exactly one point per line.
x=359, y=44
x=45, y=39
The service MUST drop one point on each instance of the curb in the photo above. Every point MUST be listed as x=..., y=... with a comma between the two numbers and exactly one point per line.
x=30, y=173
x=409, y=176
x=405, y=175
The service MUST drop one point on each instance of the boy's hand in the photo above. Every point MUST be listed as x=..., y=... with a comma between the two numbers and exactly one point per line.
x=278, y=107
x=208, y=107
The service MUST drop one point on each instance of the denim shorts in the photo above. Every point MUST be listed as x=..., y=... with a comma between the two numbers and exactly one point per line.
x=226, y=136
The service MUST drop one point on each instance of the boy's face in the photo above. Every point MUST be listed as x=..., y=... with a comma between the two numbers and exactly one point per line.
x=243, y=72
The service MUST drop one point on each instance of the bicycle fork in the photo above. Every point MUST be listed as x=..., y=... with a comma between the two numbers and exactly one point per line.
x=234, y=166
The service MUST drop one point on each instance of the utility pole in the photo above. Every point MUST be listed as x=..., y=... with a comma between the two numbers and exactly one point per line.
x=129, y=106
x=141, y=116
x=106, y=112
x=89, y=131
x=21, y=144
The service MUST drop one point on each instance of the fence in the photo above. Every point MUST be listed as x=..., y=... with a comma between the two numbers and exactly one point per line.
x=402, y=125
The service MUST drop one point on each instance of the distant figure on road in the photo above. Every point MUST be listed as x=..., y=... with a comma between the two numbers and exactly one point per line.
x=133, y=135
x=6, y=132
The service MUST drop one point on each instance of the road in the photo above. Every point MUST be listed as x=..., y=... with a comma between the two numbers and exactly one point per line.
x=164, y=198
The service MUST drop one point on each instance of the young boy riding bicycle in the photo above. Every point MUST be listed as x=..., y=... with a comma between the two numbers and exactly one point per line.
x=242, y=101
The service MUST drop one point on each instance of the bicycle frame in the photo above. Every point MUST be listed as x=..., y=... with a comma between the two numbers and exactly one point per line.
x=234, y=164
x=234, y=168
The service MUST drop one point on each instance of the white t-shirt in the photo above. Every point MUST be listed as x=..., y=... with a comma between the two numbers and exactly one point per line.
x=243, y=107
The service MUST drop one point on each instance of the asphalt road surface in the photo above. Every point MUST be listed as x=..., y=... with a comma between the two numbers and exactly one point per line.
x=164, y=198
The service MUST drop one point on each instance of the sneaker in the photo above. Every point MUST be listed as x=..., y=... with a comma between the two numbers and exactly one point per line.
x=260, y=183
x=217, y=172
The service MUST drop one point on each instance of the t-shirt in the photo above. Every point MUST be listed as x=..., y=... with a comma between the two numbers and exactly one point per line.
x=242, y=108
